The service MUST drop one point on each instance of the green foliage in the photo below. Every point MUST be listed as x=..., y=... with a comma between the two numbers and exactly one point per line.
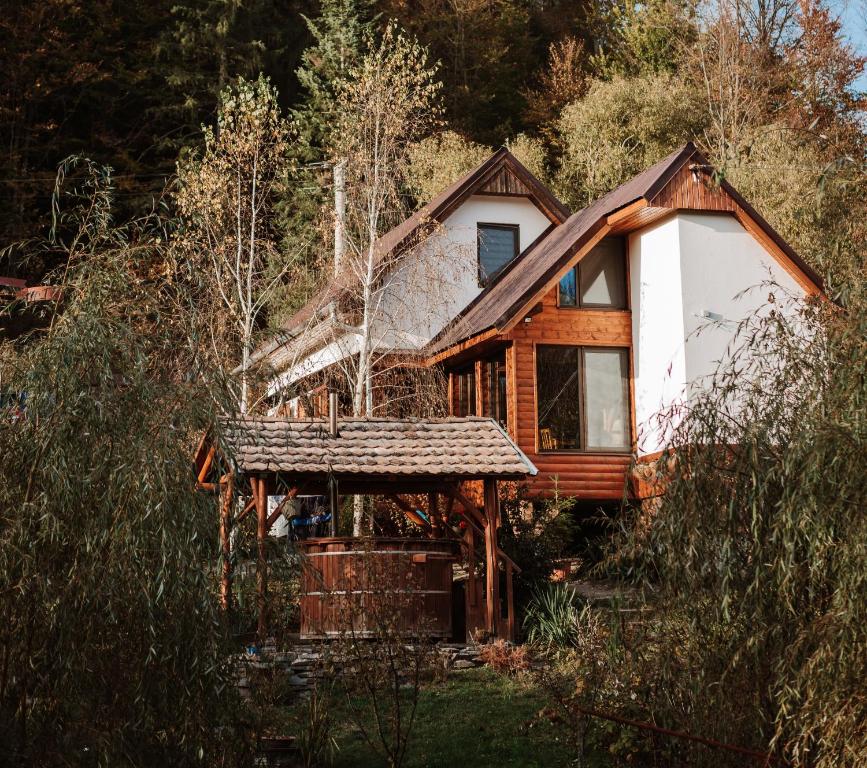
x=534, y=536
x=111, y=647
x=552, y=616
x=757, y=551
x=437, y=161
x=475, y=717
x=816, y=205
x=644, y=37
x=620, y=128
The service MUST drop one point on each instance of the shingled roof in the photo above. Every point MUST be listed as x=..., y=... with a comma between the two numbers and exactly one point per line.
x=455, y=447
x=508, y=294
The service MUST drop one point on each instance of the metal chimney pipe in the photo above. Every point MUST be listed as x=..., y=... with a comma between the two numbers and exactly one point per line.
x=332, y=413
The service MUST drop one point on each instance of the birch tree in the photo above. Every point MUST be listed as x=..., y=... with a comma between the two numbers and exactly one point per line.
x=226, y=200
x=386, y=103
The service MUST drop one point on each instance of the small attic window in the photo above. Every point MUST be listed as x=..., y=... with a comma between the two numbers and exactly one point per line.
x=498, y=245
x=599, y=280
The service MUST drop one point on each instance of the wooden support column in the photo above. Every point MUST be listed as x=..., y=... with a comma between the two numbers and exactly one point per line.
x=510, y=603
x=226, y=544
x=260, y=494
x=479, y=394
x=471, y=566
x=491, y=565
x=433, y=515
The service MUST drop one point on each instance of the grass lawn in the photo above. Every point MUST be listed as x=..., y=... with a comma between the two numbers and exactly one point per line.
x=477, y=718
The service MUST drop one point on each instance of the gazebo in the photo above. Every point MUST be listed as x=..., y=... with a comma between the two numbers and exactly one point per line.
x=454, y=463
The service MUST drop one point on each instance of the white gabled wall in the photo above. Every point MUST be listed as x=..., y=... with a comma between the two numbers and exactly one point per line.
x=694, y=278
x=658, y=350
x=431, y=284
x=440, y=277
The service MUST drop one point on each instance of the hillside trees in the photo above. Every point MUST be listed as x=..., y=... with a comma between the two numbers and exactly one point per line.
x=226, y=198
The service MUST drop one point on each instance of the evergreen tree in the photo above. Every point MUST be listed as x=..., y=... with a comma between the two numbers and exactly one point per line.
x=339, y=35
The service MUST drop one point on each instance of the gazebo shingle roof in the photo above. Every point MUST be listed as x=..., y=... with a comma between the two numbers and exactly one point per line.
x=454, y=447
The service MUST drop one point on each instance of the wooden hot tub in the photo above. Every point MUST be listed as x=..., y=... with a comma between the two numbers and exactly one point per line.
x=361, y=584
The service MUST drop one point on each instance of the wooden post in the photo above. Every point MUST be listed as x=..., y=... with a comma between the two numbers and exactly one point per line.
x=491, y=565
x=333, y=503
x=510, y=603
x=259, y=491
x=226, y=545
x=479, y=394
x=433, y=515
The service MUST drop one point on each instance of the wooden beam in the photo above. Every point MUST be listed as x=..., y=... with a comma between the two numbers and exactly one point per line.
x=259, y=492
x=433, y=514
x=251, y=505
x=226, y=545
x=510, y=604
x=471, y=566
x=450, y=505
x=206, y=464
x=408, y=510
x=479, y=394
x=460, y=347
x=492, y=592
x=290, y=494
x=471, y=510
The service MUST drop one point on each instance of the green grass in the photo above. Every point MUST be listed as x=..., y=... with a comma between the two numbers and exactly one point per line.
x=476, y=718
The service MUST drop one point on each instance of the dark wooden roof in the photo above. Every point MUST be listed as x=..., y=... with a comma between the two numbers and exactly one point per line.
x=458, y=448
x=507, y=295
x=501, y=174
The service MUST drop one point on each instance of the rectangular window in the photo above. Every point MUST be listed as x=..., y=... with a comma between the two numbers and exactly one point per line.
x=498, y=245
x=495, y=405
x=464, y=394
x=599, y=279
x=583, y=398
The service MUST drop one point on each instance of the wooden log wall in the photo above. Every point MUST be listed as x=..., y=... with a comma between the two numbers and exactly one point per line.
x=596, y=475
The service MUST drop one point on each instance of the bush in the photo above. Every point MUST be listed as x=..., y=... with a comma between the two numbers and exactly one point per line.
x=504, y=657
x=552, y=617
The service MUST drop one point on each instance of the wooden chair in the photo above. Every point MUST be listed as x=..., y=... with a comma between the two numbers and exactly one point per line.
x=549, y=442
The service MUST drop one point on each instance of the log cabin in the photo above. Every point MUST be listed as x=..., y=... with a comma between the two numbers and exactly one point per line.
x=572, y=329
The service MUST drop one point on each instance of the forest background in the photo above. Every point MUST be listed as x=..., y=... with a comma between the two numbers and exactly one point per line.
x=585, y=93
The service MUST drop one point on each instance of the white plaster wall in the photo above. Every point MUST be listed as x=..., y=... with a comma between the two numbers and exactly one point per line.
x=682, y=270
x=431, y=284
x=658, y=355
x=725, y=272
x=436, y=281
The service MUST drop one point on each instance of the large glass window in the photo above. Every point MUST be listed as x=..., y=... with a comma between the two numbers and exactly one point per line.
x=606, y=398
x=583, y=398
x=464, y=392
x=496, y=396
x=498, y=245
x=599, y=279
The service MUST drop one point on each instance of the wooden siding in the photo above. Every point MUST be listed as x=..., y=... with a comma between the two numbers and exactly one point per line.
x=504, y=182
x=693, y=190
x=588, y=475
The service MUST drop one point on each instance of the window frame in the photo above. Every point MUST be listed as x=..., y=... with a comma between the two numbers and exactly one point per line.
x=625, y=351
x=493, y=369
x=467, y=373
x=516, y=228
x=624, y=253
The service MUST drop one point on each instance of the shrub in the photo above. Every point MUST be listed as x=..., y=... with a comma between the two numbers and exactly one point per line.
x=552, y=617
x=504, y=657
